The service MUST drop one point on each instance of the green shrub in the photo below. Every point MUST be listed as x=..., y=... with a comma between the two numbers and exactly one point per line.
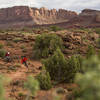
x=89, y=83
x=2, y=91
x=57, y=97
x=55, y=28
x=12, y=68
x=1, y=46
x=88, y=30
x=90, y=51
x=17, y=65
x=32, y=86
x=3, y=81
x=2, y=52
x=46, y=44
x=44, y=80
x=24, y=50
x=99, y=54
x=17, y=40
x=61, y=69
x=98, y=42
x=91, y=63
x=20, y=94
x=97, y=30
x=80, y=60
x=22, y=47
x=9, y=43
x=61, y=90
x=73, y=66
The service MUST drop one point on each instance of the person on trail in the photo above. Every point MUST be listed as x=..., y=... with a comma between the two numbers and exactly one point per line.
x=24, y=61
x=7, y=57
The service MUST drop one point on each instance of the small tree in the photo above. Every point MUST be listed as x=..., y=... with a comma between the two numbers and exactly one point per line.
x=90, y=51
x=55, y=28
x=89, y=82
x=44, y=80
x=46, y=44
x=74, y=66
x=91, y=63
x=55, y=64
x=32, y=86
x=80, y=60
x=61, y=69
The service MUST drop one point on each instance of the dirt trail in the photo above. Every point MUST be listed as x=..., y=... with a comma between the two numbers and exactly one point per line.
x=23, y=72
x=17, y=75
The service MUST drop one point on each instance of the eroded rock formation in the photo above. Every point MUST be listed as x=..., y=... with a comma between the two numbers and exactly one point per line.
x=23, y=15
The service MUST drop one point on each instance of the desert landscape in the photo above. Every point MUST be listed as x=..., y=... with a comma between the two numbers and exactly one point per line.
x=62, y=48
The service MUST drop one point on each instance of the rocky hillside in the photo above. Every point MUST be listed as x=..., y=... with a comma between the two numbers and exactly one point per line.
x=19, y=43
x=87, y=18
x=26, y=16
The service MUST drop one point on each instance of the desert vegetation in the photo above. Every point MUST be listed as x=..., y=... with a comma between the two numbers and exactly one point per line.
x=62, y=64
x=88, y=81
x=46, y=44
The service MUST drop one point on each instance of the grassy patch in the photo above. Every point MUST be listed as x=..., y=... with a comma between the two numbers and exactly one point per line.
x=9, y=44
x=55, y=28
x=17, y=65
x=2, y=53
x=1, y=46
x=97, y=30
x=17, y=40
x=22, y=47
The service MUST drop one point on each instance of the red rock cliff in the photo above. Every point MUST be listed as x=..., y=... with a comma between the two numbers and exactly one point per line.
x=23, y=15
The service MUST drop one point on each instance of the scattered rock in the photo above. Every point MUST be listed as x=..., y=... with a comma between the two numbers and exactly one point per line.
x=61, y=90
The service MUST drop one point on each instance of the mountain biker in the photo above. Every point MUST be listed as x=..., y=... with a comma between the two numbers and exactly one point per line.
x=24, y=61
x=7, y=56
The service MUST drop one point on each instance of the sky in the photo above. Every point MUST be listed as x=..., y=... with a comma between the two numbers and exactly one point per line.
x=74, y=5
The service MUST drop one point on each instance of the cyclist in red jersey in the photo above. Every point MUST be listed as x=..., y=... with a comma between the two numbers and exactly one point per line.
x=24, y=61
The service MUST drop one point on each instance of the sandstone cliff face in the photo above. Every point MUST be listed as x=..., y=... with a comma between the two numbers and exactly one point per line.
x=20, y=16
x=93, y=15
x=14, y=14
x=98, y=17
x=87, y=18
x=89, y=12
x=23, y=15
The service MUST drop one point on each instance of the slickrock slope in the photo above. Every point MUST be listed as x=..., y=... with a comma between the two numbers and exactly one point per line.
x=26, y=16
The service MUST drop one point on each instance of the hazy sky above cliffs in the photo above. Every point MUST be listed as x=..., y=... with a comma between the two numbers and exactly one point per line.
x=75, y=5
